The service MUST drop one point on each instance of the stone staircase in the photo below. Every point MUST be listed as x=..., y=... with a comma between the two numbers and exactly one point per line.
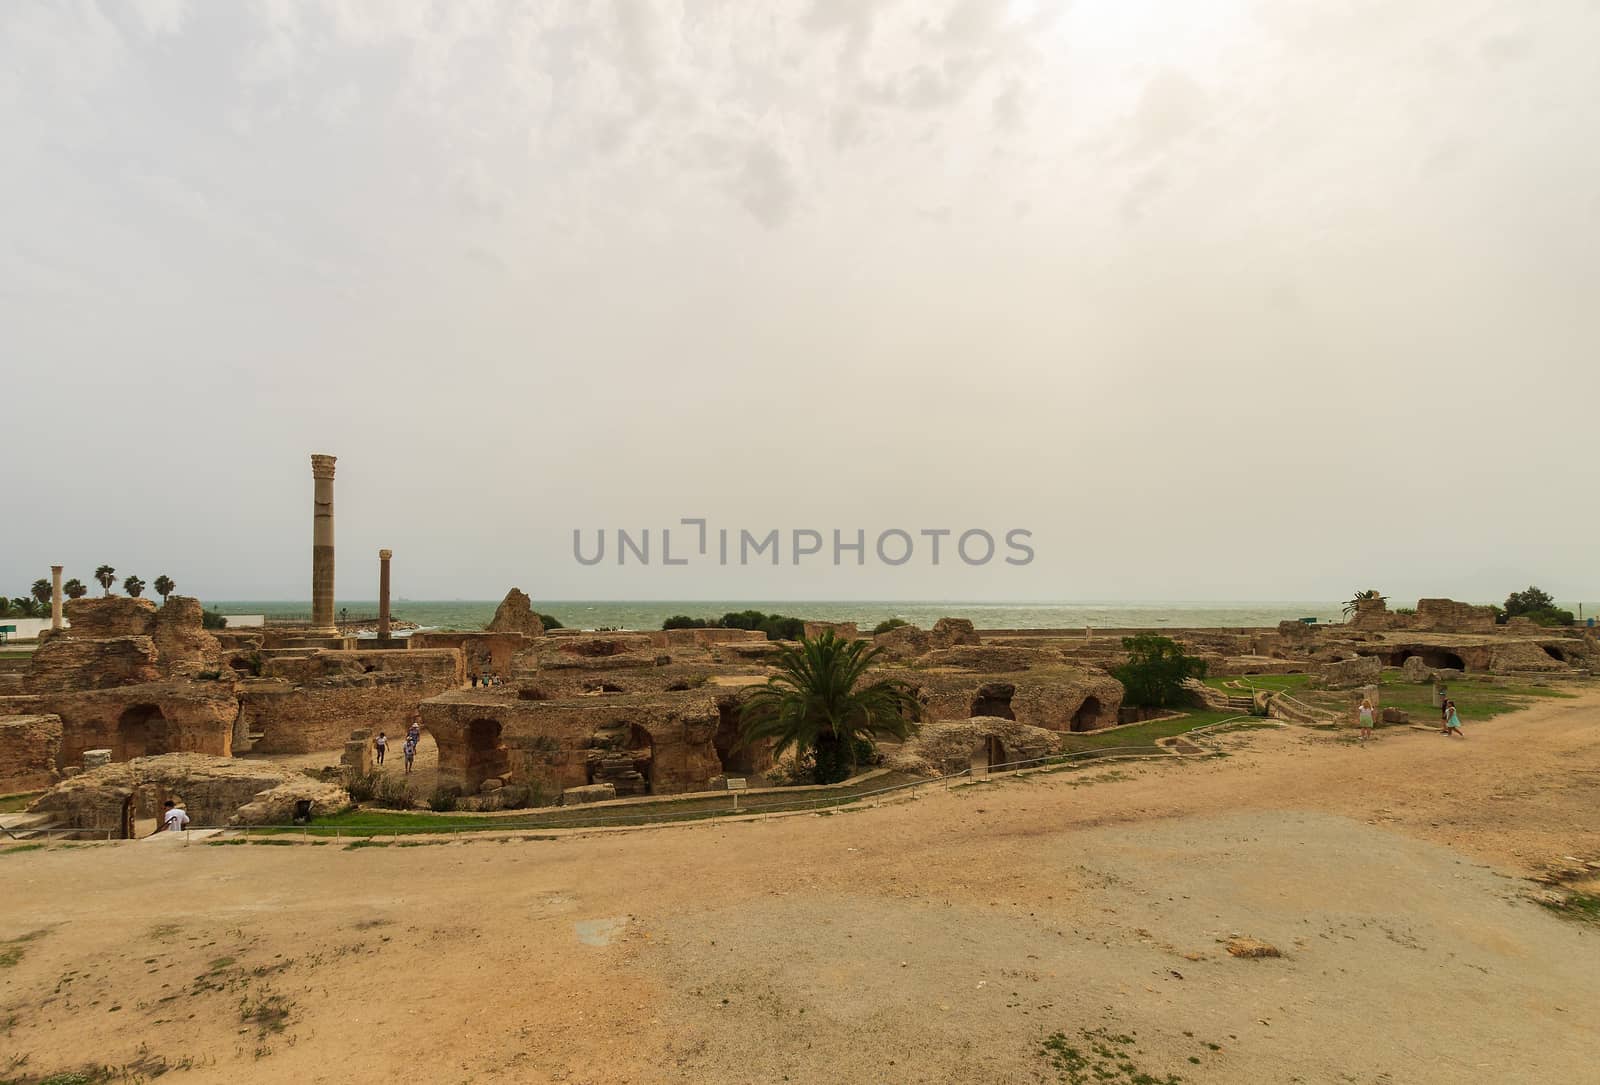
x=27, y=826
x=612, y=762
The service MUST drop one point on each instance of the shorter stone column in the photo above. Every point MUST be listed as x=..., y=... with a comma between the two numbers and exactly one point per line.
x=383, y=593
x=55, y=597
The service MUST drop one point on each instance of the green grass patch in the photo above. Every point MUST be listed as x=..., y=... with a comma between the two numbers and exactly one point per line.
x=18, y=848
x=1277, y=682
x=15, y=804
x=1144, y=734
x=1582, y=907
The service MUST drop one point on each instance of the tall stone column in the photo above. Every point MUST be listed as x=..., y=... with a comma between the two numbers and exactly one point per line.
x=322, y=544
x=383, y=593
x=55, y=597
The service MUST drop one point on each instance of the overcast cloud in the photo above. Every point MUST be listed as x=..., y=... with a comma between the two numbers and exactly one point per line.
x=1222, y=300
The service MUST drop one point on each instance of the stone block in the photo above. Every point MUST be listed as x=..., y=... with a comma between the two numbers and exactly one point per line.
x=94, y=759
x=575, y=796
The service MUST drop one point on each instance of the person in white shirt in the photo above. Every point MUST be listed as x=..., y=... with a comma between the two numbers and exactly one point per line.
x=176, y=819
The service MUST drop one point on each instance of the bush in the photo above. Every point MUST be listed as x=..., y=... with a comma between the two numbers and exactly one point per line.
x=1551, y=616
x=363, y=786
x=1529, y=602
x=444, y=799
x=888, y=624
x=1155, y=671
x=393, y=793
x=775, y=626
x=211, y=619
x=549, y=622
x=683, y=621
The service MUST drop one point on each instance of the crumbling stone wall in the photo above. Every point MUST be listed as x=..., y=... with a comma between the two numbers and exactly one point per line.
x=1058, y=698
x=71, y=663
x=555, y=745
x=482, y=653
x=30, y=751
x=168, y=716
x=214, y=791
x=515, y=615
x=92, y=618
x=1449, y=616
x=313, y=702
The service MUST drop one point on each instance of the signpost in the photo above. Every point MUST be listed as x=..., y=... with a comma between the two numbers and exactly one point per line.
x=736, y=786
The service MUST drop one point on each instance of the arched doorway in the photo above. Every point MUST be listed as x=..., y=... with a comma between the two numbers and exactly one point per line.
x=994, y=699
x=624, y=757
x=141, y=732
x=486, y=754
x=1087, y=717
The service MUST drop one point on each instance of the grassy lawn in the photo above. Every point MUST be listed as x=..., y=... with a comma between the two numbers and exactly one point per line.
x=1478, y=697
x=370, y=822
x=11, y=804
x=1144, y=734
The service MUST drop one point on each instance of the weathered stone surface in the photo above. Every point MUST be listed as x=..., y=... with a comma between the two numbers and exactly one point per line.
x=214, y=791
x=948, y=632
x=1252, y=947
x=110, y=616
x=942, y=747
x=1523, y=656
x=72, y=663
x=574, y=796
x=661, y=744
x=182, y=643
x=1372, y=614
x=1449, y=616
x=1396, y=715
x=30, y=751
x=481, y=653
x=94, y=759
x=1056, y=698
x=1360, y=671
x=515, y=615
x=172, y=715
x=1416, y=669
x=904, y=642
x=313, y=702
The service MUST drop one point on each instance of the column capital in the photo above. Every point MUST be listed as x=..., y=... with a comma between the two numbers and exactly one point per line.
x=322, y=465
x=385, y=555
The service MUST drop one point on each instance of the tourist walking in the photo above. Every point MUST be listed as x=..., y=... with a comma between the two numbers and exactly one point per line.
x=474, y=679
x=381, y=743
x=1452, y=722
x=410, y=752
x=1365, y=714
x=176, y=819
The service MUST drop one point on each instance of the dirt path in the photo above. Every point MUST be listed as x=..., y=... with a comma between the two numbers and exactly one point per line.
x=941, y=939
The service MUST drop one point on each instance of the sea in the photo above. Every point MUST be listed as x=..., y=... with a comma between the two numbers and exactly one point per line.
x=642, y=615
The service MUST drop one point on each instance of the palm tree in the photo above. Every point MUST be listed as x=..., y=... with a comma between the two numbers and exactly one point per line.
x=42, y=591
x=164, y=586
x=133, y=586
x=818, y=703
x=1353, y=604
x=107, y=577
x=74, y=589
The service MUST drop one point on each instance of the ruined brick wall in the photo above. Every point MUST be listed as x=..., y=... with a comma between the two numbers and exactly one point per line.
x=170, y=716
x=482, y=653
x=70, y=663
x=548, y=743
x=1449, y=616
x=111, y=616
x=313, y=702
x=30, y=747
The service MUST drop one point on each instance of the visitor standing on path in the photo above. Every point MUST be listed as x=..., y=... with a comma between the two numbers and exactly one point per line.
x=1452, y=722
x=410, y=752
x=1364, y=714
x=382, y=745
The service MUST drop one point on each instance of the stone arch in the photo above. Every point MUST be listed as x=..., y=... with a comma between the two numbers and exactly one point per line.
x=141, y=732
x=1087, y=717
x=1553, y=653
x=994, y=699
x=624, y=757
x=486, y=752
x=1436, y=658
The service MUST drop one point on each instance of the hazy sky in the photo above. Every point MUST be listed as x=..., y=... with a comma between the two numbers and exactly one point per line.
x=1221, y=300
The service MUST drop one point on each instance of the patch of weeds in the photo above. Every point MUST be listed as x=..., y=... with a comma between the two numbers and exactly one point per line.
x=20, y=848
x=162, y=932
x=366, y=843
x=1582, y=907
x=266, y=1011
x=220, y=963
x=11, y=949
x=1098, y=1057
x=226, y=843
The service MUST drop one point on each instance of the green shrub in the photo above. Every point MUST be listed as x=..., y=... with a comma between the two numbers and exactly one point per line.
x=393, y=793
x=1155, y=671
x=549, y=622
x=444, y=799
x=888, y=624
x=363, y=786
x=212, y=619
x=683, y=621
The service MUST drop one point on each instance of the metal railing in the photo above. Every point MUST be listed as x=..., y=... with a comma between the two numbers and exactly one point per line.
x=536, y=823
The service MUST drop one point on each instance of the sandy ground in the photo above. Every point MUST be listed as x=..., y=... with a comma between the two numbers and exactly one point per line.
x=943, y=939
